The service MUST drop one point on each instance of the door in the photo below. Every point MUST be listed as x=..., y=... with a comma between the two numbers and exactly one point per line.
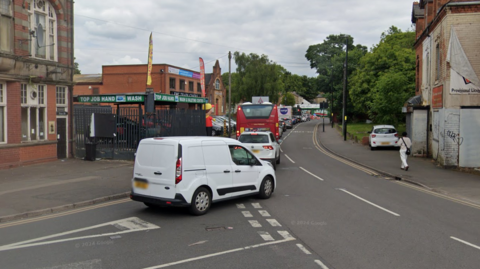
x=219, y=168
x=246, y=170
x=61, y=138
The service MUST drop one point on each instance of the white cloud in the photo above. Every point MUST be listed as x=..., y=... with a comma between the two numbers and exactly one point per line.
x=117, y=31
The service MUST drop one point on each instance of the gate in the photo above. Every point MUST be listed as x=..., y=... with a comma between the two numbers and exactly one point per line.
x=132, y=125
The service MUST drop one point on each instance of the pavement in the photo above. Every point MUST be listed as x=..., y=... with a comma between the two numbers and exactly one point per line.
x=62, y=185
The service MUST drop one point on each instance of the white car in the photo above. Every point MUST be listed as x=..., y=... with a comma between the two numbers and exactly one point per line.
x=383, y=136
x=197, y=171
x=262, y=144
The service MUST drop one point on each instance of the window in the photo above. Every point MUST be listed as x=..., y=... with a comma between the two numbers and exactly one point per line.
x=217, y=84
x=438, y=65
x=33, y=112
x=6, y=22
x=182, y=84
x=190, y=86
x=199, y=87
x=3, y=112
x=241, y=156
x=43, y=26
x=61, y=95
x=172, y=83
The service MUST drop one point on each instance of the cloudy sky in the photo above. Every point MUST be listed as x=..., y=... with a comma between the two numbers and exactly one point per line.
x=110, y=32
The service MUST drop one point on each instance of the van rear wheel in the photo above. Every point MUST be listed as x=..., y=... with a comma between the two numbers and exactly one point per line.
x=201, y=202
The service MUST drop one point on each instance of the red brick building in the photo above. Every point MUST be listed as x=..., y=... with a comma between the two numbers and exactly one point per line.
x=442, y=119
x=36, y=73
x=167, y=79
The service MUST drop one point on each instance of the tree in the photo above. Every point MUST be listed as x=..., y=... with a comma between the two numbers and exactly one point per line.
x=76, y=71
x=257, y=76
x=328, y=58
x=288, y=99
x=385, y=77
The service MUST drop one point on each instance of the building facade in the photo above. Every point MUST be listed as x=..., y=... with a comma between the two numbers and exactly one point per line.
x=36, y=74
x=166, y=79
x=443, y=117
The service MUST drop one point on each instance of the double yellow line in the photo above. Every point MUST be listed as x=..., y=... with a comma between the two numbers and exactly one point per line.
x=340, y=159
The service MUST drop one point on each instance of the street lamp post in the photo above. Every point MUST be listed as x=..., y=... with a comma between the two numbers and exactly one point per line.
x=229, y=95
x=331, y=85
x=344, y=120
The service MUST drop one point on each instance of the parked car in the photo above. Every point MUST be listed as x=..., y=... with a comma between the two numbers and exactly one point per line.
x=217, y=128
x=262, y=144
x=197, y=171
x=282, y=125
x=288, y=124
x=383, y=136
x=221, y=120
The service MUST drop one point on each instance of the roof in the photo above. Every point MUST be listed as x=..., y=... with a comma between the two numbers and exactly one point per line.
x=207, y=78
x=87, y=78
x=417, y=12
x=415, y=100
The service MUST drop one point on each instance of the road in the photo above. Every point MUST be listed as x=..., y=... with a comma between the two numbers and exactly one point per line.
x=325, y=213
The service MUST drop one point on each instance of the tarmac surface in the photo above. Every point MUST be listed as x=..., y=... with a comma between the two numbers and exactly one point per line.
x=61, y=185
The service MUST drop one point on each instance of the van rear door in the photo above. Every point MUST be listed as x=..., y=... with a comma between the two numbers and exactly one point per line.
x=155, y=165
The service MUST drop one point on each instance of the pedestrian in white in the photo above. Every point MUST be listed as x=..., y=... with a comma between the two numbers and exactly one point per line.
x=405, y=143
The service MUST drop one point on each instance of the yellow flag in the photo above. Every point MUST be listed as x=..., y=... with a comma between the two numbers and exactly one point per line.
x=150, y=56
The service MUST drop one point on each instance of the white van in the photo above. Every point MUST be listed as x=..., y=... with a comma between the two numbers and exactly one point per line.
x=197, y=171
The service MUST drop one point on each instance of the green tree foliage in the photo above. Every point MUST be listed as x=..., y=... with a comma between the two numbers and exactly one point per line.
x=76, y=71
x=288, y=99
x=257, y=76
x=328, y=58
x=385, y=77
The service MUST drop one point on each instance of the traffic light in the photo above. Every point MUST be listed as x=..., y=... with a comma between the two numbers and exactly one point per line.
x=323, y=105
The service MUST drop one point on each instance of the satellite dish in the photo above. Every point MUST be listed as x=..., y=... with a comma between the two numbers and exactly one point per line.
x=40, y=37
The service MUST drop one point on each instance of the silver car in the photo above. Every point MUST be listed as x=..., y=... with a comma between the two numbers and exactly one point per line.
x=263, y=145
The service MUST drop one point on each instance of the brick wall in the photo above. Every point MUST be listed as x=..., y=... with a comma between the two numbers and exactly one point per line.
x=14, y=113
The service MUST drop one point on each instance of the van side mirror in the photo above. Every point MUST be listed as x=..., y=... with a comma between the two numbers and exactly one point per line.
x=279, y=141
x=252, y=161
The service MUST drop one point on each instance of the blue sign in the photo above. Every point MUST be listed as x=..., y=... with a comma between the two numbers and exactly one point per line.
x=283, y=110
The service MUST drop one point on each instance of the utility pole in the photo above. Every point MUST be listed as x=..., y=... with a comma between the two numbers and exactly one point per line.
x=322, y=107
x=344, y=120
x=331, y=85
x=229, y=94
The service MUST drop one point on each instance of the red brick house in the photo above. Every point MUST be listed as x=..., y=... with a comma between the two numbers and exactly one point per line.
x=36, y=73
x=442, y=119
x=167, y=79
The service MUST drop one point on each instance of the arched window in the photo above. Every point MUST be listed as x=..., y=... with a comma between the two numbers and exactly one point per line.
x=217, y=84
x=43, y=28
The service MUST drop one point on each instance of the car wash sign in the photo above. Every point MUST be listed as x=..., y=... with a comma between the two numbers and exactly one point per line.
x=121, y=98
x=179, y=99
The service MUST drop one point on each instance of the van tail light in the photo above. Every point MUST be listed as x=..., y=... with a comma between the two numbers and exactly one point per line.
x=178, y=171
x=373, y=136
x=268, y=147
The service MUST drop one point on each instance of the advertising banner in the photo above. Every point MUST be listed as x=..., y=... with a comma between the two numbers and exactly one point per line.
x=150, y=56
x=202, y=76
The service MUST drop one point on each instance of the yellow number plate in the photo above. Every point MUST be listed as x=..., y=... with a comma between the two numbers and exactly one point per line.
x=385, y=143
x=141, y=185
x=256, y=151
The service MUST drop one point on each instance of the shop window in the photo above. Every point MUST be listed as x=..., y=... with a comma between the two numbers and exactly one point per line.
x=3, y=111
x=6, y=23
x=182, y=84
x=33, y=112
x=438, y=65
x=190, y=86
x=172, y=83
x=43, y=28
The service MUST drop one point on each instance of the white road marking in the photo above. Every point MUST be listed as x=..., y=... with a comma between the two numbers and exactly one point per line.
x=281, y=150
x=368, y=202
x=264, y=213
x=312, y=174
x=286, y=235
x=465, y=242
x=266, y=236
x=247, y=214
x=255, y=223
x=302, y=248
x=321, y=264
x=240, y=206
x=289, y=158
x=219, y=253
x=127, y=225
x=274, y=223
x=256, y=205
x=198, y=243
